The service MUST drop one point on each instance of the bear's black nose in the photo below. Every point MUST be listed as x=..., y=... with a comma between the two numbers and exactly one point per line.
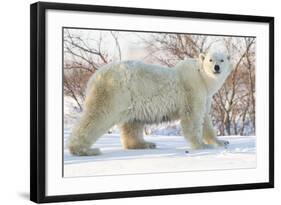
x=217, y=68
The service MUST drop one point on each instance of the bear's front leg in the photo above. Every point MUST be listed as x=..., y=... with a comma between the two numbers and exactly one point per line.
x=209, y=134
x=192, y=123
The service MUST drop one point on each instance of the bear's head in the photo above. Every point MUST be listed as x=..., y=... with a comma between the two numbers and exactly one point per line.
x=215, y=64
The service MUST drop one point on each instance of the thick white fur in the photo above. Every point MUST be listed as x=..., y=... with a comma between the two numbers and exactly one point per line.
x=133, y=94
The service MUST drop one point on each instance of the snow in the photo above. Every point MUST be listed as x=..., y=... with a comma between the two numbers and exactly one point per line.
x=169, y=156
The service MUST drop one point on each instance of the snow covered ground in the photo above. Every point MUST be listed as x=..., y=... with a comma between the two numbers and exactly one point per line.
x=169, y=156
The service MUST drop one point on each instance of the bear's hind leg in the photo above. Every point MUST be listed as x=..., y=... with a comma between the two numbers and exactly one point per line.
x=98, y=117
x=132, y=136
x=90, y=127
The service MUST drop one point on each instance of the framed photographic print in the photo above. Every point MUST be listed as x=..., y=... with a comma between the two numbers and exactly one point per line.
x=129, y=102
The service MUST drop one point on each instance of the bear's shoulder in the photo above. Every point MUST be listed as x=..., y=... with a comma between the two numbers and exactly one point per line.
x=189, y=63
x=188, y=67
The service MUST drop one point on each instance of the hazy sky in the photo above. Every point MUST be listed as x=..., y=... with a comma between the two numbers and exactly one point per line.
x=131, y=43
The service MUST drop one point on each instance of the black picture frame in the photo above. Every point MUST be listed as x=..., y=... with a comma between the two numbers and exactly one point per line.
x=38, y=100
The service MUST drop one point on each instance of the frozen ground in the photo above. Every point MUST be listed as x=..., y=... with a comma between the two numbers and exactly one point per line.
x=169, y=156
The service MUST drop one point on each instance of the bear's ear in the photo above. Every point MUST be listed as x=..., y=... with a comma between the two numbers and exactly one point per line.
x=201, y=57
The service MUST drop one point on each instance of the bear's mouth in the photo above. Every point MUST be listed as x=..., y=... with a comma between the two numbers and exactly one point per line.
x=216, y=72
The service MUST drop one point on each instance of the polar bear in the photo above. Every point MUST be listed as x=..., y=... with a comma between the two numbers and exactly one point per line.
x=132, y=94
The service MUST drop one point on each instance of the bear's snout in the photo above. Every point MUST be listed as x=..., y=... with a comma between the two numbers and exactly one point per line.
x=217, y=69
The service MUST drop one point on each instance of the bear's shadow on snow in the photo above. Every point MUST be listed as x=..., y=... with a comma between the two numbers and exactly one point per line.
x=167, y=146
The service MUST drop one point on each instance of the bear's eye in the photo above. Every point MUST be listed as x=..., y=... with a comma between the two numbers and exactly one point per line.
x=222, y=60
x=211, y=60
